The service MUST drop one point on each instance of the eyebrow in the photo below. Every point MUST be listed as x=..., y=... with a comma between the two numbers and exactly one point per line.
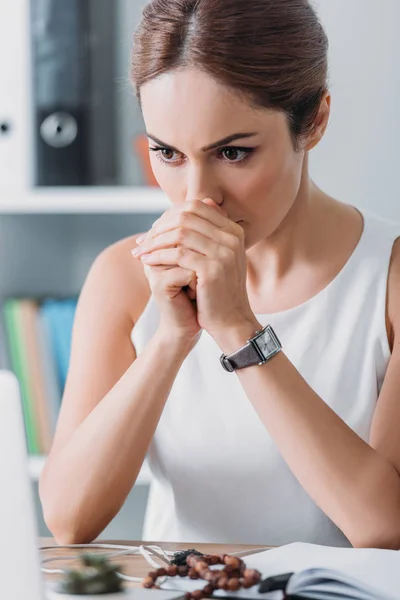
x=228, y=140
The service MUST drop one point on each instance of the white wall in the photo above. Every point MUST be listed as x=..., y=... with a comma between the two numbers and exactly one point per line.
x=358, y=160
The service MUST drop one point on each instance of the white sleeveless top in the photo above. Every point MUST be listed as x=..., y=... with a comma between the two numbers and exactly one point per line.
x=218, y=476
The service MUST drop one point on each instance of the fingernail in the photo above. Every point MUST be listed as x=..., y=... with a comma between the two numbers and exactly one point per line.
x=135, y=251
x=145, y=257
x=140, y=239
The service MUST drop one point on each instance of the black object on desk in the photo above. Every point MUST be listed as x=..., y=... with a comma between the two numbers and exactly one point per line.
x=275, y=583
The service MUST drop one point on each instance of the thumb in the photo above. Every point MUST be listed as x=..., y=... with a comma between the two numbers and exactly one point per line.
x=211, y=202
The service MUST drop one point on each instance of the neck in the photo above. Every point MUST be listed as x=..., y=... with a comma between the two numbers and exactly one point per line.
x=294, y=241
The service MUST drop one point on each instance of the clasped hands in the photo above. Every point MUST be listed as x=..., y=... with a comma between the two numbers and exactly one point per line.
x=199, y=236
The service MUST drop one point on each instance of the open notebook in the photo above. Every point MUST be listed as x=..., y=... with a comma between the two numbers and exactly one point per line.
x=320, y=573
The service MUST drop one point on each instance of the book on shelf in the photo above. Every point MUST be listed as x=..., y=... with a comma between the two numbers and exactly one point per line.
x=38, y=341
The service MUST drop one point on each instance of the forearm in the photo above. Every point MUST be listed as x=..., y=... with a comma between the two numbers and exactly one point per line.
x=86, y=482
x=351, y=482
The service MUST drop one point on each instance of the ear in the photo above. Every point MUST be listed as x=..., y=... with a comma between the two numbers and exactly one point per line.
x=321, y=122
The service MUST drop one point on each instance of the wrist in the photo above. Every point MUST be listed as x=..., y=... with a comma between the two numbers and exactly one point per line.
x=234, y=337
x=175, y=343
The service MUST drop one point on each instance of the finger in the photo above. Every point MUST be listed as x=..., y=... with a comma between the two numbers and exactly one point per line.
x=182, y=237
x=213, y=204
x=184, y=221
x=177, y=279
x=183, y=257
x=193, y=207
x=168, y=279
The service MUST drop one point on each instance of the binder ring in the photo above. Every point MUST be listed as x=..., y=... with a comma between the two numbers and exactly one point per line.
x=59, y=129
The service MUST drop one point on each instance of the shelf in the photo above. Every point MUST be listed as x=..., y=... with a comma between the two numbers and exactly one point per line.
x=36, y=464
x=76, y=200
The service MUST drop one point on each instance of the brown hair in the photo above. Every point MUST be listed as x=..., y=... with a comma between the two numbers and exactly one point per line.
x=274, y=52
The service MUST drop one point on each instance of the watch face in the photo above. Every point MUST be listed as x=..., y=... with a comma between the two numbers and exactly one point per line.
x=266, y=344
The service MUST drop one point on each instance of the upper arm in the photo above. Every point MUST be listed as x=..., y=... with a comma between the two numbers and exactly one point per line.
x=385, y=430
x=101, y=348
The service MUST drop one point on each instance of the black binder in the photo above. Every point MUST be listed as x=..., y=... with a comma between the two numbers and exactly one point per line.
x=73, y=67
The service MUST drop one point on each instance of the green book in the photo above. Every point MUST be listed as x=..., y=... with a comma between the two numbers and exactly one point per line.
x=19, y=362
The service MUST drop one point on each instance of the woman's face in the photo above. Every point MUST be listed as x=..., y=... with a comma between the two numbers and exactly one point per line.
x=206, y=141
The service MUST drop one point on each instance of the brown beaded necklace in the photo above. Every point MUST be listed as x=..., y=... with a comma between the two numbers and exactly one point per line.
x=232, y=577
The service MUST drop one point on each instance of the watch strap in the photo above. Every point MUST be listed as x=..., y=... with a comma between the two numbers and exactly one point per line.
x=257, y=351
x=247, y=356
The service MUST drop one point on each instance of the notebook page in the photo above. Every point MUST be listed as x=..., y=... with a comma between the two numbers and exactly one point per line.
x=378, y=569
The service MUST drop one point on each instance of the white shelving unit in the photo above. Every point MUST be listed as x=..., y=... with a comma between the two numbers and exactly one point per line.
x=50, y=236
x=81, y=200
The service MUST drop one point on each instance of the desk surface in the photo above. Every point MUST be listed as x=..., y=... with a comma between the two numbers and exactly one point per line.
x=136, y=565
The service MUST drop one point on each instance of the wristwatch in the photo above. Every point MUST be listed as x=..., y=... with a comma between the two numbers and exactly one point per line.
x=257, y=351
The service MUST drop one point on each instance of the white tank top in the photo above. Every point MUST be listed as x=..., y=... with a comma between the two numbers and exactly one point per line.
x=218, y=476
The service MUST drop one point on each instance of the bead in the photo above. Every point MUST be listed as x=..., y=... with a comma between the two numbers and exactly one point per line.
x=193, y=574
x=201, y=565
x=233, y=584
x=233, y=561
x=161, y=572
x=231, y=571
x=252, y=574
x=208, y=590
x=222, y=583
x=231, y=577
x=205, y=574
x=216, y=575
x=222, y=558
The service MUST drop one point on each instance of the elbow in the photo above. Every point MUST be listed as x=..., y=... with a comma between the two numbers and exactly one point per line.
x=72, y=519
x=385, y=536
x=67, y=538
x=378, y=542
x=67, y=527
x=67, y=531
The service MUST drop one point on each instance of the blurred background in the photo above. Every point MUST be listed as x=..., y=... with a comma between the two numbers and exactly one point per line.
x=75, y=173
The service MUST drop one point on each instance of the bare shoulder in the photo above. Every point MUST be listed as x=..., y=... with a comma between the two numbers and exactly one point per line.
x=393, y=297
x=124, y=275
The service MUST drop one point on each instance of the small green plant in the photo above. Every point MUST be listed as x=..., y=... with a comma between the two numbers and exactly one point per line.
x=96, y=576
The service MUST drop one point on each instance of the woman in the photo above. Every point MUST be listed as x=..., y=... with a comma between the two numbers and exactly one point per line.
x=305, y=446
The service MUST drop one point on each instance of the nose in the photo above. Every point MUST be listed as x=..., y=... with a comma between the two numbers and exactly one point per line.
x=201, y=184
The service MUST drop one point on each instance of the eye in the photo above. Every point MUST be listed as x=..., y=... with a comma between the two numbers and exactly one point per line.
x=230, y=154
x=165, y=155
x=233, y=154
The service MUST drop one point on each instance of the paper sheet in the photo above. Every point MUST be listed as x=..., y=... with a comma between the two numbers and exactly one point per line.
x=378, y=569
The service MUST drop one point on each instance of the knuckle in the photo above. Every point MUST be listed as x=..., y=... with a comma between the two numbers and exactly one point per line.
x=180, y=252
x=228, y=254
x=183, y=218
x=180, y=234
x=213, y=272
